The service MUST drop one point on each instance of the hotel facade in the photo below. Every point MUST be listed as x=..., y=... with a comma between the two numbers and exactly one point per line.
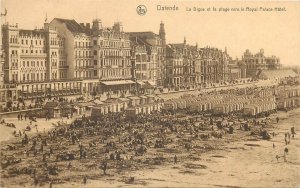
x=67, y=58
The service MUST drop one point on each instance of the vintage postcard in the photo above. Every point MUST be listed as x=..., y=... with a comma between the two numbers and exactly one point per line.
x=149, y=93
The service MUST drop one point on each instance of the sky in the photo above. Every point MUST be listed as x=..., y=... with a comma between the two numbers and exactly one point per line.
x=277, y=32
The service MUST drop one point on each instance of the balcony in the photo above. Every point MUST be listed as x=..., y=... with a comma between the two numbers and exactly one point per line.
x=82, y=47
x=44, y=81
x=8, y=86
x=64, y=67
x=33, y=55
x=84, y=56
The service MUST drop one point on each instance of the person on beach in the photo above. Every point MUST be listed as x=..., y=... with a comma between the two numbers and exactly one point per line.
x=285, y=139
x=286, y=150
x=273, y=145
x=175, y=159
x=277, y=119
x=293, y=131
x=104, y=167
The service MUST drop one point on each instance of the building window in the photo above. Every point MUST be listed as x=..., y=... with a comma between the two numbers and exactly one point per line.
x=95, y=52
x=95, y=62
x=95, y=72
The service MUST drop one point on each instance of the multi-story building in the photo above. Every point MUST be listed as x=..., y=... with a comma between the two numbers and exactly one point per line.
x=1, y=61
x=180, y=63
x=174, y=67
x=7, y=91
x=200, y=66
x=236, y=69
x=33, y=62
x=65, y=58
x=96, y=54
x=258, y=62
x=155, y=47
x=213, y=65
x=144, y=68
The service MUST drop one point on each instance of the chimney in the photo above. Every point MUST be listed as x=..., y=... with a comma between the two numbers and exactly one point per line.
x=88, y=25
x=82, y=25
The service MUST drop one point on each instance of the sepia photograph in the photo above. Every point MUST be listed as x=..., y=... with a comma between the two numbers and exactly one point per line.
x=149, y=93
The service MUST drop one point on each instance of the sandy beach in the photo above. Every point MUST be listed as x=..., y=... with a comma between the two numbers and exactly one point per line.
x=238, y=160
x=243, y=163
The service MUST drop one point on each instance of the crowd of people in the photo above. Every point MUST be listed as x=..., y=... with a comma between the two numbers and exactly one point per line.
x=112, y=142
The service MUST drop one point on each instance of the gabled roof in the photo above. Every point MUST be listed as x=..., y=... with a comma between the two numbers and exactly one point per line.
x=137, y=41
x=72, y=25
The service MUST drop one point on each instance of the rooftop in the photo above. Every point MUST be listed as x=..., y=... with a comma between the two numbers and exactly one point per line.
x=72, y=25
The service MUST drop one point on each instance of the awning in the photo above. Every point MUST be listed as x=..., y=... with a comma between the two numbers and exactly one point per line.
x=140, y=83
x=152, y=83
x=117, y=82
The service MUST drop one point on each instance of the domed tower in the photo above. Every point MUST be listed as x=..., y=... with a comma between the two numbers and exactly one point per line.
x=162, y=33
